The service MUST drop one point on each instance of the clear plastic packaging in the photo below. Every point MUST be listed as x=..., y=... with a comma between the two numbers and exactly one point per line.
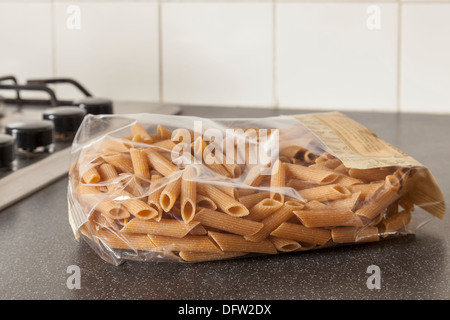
x=174, y=188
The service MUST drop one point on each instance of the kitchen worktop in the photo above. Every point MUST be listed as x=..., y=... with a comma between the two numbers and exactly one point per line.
x=37, y=246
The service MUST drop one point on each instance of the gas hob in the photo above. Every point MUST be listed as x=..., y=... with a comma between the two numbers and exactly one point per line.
x=36, y=134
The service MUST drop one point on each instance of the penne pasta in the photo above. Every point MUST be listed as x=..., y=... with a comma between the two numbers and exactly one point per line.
x=232, y=242
x=140, y=163
x=381, y=200
x=325, y=193
x=277, y=181
x=301, y=233
x=317, y=218
x=188, y=194
x=225, y=222
x=139, y=131
x=275, y=219
x=313, y=175
x=170, y=194
x=263, y=209
x=223, y=201
x=352, y=234
x=285, y=245
x=206, y=256
x=189, y=243
x=129, y=241
x=165, y=227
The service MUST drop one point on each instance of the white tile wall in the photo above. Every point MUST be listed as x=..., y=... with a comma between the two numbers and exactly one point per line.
x=329, y=58
x=266, y=53
x=115, y=51
x=426, y=58
x=217, y=53
x=25, y=40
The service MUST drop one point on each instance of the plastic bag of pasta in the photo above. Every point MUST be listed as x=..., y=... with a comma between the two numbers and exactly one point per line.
x=156, y=188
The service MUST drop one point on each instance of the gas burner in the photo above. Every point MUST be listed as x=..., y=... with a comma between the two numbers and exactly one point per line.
x=66, y=120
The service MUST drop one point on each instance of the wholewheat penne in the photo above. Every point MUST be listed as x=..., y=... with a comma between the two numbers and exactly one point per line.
x=188, y=194
x=206, y=256
x=225, y=222
x=205, y=202
x=163, y=133
x=263, y=209
x=352, y=234
x=232, y=242
x=126, y=241
x=301, y=233
x=395, y=222
x=317, y=218
x=138, y=130
x=98, y=201
x=309, y=174
x=122, y=162
x=170, y=194
x=187, y=243
x=382, y=199
x=277, y=181
x=137, y=207
x=140, y=163
x=285, y=245
x=159, y=163
x=165, y=227
x=325, y=193
x=223, y=201
x=275, y=219
x=91, y=176
x=250, y=200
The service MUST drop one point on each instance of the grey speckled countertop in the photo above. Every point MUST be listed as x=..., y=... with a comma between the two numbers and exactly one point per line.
x=37, y=244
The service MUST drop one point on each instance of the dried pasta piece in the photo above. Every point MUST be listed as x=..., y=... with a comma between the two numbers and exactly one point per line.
x=129, y=241
x=159, y=163
x=163, y=133
x=250, y=200
x=223, y=201
x=263, y=209
x=353, y=234
x=395, y=222
x=137, y=207
x=97, y=200
x=275, y=219
x=206, y=256
x=188, y=243
x=277, y=181
x=188, y=194
x=140, y=163
x=165, y=227
x=313, y=175
x=325, y=193
x=380, y=201
x=301, y=233
x=165, y=144
x=285, y=245
x=170, y=194
x=205, y=202
x=319, y=218
x=225, y=222
x=138, y=130
x=232, y=242
x=369, y=175
x=91, y=176
x=122, y=162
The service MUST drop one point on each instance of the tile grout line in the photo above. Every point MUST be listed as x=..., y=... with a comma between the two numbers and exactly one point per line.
x=274, y=56
x=399, y=57
x=160, y=55
x=53, y=38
